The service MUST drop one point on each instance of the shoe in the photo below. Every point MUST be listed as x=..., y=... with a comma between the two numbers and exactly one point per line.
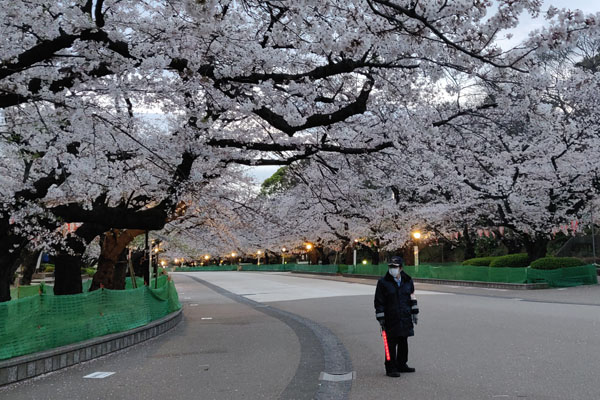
x=406, y=368
x=393, y=374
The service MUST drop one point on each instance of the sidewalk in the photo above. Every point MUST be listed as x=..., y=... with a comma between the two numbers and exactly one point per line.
x=211, y=354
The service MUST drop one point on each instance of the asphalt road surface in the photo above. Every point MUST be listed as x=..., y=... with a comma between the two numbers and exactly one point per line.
x=249, y=335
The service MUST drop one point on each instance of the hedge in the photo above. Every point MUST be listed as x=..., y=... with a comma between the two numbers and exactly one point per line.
x=548, y=263
x=520, y=260
x=479, y=261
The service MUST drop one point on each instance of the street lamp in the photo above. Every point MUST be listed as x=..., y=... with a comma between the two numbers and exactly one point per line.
x=354, y=253
x=417, y=236
x=308, y=249
x=232, y=257
x=258, y=253
x=283, y=250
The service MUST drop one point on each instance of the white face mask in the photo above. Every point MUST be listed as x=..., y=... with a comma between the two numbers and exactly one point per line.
x=394, y=272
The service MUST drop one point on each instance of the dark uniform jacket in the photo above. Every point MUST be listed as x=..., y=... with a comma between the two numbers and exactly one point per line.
x=392, y=302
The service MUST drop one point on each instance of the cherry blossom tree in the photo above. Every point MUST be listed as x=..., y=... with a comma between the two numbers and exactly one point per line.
x=234, y=83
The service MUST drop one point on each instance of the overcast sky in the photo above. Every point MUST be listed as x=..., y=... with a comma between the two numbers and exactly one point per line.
x=528, y=24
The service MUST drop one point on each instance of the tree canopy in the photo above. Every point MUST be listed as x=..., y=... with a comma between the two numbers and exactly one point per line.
x=132, y=116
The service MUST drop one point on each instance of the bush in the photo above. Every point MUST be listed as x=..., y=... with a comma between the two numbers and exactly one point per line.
x=45, y=266
x=556, y=262
x=520, y=260
x=479, y=262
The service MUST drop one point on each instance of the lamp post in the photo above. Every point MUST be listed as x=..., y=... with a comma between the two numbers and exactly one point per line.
x=354, y=255
x=417, y=236
x=156, y=250
x=258, y=253
x=148, y=253
x=593, y=235
x=308, y=249
x=233, y=257
x=283, y=250
x=206, y=259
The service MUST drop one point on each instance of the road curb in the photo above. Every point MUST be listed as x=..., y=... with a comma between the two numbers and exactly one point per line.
x=321, y=352
x=31, y=365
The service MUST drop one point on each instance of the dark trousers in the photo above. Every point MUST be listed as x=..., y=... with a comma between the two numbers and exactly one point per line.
x=398, y=347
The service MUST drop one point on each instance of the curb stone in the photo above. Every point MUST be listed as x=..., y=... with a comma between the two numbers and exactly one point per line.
x=31, y=365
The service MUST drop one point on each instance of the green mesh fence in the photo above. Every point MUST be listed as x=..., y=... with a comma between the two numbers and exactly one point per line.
x=266, y=267
x=33, y=290
x=323, y=269
x=572, y=276
x=564, y=277
x=330, y=269
x=468, y=273
x=21, y=292
x=45, y=321
x=360, y=269
x=207, y=268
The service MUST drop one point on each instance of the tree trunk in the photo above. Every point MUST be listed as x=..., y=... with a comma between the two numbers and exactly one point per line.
x=29, y=263
x=5, y=274
x=67, y=266
x=113, y=244
x=67, y=274
x=375, y=255
x=348, y=254
x=120, y=272
x=9, y=262
x=314, y=255
x=469, y=244
x=536, y=246
x=408, y=254
x=512, y=242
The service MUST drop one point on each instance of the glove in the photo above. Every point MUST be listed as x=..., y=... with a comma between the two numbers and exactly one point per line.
x=414, y=309
x=381, y=323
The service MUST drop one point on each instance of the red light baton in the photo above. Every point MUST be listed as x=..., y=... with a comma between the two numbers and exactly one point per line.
x=385, y=344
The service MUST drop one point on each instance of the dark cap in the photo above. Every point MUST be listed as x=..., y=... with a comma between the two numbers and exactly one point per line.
x=396, y=261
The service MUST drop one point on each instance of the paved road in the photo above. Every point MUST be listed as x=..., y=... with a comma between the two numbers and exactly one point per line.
x=471, y=343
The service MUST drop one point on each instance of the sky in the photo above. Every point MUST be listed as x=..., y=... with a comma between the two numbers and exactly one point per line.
x=520, y=33
x=528, y=24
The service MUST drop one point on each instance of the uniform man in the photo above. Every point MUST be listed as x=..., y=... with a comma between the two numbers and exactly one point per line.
x=396, y=310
